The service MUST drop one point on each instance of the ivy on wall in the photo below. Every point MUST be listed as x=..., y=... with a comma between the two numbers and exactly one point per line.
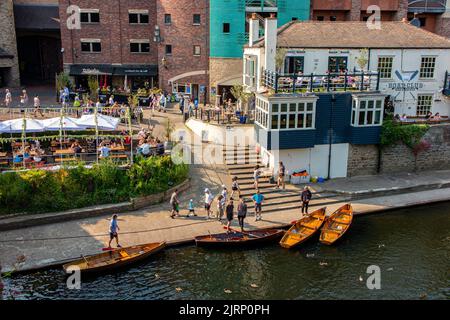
x=411, y=135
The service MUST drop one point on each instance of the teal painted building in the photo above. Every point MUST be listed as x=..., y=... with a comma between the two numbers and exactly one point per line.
x=229, y=33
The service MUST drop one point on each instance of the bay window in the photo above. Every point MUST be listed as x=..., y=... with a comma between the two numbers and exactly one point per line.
x=367, y=111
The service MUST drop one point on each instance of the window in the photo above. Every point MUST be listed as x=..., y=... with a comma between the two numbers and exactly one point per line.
x=423, y=22
x=262, y=112
x=168, y=49
x=90, y=16
x=337, y=64
x=367, y=112
x=138, y=17
x=250, y=71
x=196, y=19
x=226, y=28
x=320, y=18
x=197, y=50
x=385, y=67
x=294, y=18
x=294, y=65
x=139, y=46
x=167, y=19
x=427, y=67
x=424, y=104
x=293, y=116
x=91, y=45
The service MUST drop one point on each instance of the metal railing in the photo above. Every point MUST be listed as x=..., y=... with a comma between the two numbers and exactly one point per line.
x=331, y=82
x=427, y=6
x=221, y=117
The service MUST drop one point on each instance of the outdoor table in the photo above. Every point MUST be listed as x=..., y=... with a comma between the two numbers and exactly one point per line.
x=64, y=152
x=118, y=148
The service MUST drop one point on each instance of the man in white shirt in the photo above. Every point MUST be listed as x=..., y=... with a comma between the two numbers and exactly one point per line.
x=8, y=98
x=208, y=202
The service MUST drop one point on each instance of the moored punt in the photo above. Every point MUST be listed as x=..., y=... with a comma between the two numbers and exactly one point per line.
x=238, y=239
x=337, y=225
x=116, y=258
x=304, y=229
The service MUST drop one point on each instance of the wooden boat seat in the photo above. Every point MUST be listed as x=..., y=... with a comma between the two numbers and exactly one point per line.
x=124, y=254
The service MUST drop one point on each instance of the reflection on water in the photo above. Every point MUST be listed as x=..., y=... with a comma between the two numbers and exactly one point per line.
x=410, y=246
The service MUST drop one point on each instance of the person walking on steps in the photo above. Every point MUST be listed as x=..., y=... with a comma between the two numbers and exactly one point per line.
x=235, y=187
x=241, y=212
x=281, y=175
x=113, y=231
x=306, y=198
x=256, y=175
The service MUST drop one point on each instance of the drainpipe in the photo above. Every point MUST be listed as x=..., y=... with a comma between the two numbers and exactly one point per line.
x=330, y=134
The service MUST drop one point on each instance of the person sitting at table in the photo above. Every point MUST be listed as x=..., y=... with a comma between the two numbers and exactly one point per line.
x=104, y=151
x=37, y=156
x=76, y=147
x=429, y=115
x=27, y=155
x=159, y=147
x=17, y=158
x=397, y=118
x=436, y=117
x=403, y=118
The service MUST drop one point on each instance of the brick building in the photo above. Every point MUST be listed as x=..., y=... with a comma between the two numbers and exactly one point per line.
x=9, y=67
x=434, y=15
x=114, y=42
x=184, y=47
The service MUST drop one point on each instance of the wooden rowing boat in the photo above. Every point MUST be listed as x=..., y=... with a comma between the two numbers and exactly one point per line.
x=304, y=229
x=115, y=258
x=240, y=239
x=337, y=225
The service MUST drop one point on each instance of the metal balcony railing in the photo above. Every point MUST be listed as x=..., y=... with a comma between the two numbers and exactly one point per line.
x=261, y=3
x=331, y=82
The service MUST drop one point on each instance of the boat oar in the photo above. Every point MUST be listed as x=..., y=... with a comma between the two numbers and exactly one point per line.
x=85, y=260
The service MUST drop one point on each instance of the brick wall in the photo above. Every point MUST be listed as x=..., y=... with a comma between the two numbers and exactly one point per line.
x=183, y=35
x=114, y=31
x=363, y=159
x=443, y=25
x=355, y=12
x=8, y=43
x=402, y=11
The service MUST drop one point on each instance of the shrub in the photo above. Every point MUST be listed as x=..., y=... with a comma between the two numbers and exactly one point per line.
x=36, y=191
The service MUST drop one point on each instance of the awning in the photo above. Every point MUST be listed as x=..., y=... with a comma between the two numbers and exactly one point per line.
x=90, y=69
x=136, y=70
x=37, y=17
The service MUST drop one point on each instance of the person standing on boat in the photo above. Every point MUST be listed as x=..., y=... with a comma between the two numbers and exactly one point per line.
x=221, y=202
x=306, y=198
x=241, y=212
x=113, y=231
x=258, y=199
x=230, y=212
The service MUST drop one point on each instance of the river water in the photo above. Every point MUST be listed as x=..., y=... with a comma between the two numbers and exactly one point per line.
x=411, y=248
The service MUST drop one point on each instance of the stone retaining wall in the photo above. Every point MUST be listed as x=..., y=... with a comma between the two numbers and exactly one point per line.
x=363, y=159
x=16, y=221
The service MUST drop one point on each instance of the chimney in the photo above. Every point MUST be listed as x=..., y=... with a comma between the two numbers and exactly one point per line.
x=254, y=29
x=270, y=42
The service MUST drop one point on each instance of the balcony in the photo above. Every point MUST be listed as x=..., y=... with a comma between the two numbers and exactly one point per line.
x=261, y=3
x=331, y=82
x=427, y=6
x=446, y=90
x=332, y=5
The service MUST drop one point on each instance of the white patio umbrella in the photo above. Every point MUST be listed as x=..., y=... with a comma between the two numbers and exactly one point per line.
x=68, y=124
x=104, y=123
x=2, y=128
x=16, y=125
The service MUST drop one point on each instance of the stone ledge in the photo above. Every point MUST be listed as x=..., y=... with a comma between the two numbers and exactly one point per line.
x=19, y=221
